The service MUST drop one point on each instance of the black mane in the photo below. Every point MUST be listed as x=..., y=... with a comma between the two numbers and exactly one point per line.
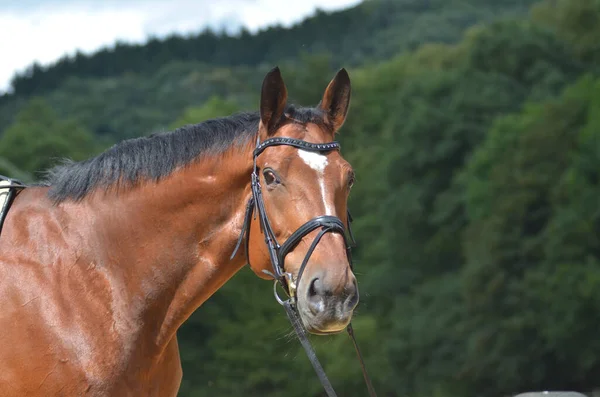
x=156, y=156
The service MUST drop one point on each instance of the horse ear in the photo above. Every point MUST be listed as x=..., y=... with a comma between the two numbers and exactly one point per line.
x=336, y=100
x=273, y=98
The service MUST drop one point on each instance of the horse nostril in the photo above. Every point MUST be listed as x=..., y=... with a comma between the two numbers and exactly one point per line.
x=314, y=289
x=316, y=303
x=352, y=299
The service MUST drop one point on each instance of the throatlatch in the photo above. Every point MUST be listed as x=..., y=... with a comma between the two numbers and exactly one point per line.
x=277, y=252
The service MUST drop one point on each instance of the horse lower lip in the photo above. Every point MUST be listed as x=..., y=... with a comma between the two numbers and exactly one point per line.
x=322, y=326
x=317, y=332
x=320, y=331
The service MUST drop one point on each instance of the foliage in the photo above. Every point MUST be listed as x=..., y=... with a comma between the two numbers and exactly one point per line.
x=375, y=29
x=37, y=139
x=214, y=107
x=512, y=184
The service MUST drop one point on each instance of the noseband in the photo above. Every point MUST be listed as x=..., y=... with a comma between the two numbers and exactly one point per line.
x=278, y=252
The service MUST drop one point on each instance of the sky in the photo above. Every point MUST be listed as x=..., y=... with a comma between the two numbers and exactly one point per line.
x=45, y=30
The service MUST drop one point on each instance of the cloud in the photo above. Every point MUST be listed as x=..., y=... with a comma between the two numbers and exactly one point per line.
x=44, y=30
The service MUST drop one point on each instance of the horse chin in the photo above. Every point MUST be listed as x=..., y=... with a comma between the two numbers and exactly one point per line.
x=315, y=331
x=329, y=329
x=323, y=325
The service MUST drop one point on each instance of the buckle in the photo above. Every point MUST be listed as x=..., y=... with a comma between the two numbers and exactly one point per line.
x=291, y=289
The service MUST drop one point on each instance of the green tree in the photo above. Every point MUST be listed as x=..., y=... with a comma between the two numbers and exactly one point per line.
x=372, y=30
x=307, y=78
x=38, y=138
x=214, y=107
x=576, y=21
x=10, y=170
x=519, y=245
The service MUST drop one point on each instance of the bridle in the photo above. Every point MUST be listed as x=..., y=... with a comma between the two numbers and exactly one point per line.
x=278, y=252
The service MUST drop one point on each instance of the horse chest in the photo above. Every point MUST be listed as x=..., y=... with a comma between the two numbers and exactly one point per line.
x=103, y=374
x=74, y=340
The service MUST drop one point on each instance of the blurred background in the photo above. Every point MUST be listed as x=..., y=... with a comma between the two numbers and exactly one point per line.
x=474, y=131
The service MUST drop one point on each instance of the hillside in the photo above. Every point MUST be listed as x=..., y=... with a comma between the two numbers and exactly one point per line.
x=156, y=81
x=374, y=30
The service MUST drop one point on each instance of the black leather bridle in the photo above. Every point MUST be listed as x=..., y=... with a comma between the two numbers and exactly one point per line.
x=278, y=252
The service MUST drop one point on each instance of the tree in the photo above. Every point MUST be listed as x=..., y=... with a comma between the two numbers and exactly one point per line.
x=520, y=245
x=577, y=22
x=214, y=107
x=38, y=138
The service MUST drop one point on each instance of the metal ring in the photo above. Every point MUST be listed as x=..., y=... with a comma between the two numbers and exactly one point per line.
x=281, y=302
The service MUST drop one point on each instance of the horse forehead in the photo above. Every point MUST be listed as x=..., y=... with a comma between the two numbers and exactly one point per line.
x=313, y=133
x=310, y=132
x=316, y=161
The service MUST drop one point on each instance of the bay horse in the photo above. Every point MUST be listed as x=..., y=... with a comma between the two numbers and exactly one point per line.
x=105, y=259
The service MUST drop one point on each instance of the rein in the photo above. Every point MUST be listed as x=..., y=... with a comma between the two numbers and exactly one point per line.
x=278, y=252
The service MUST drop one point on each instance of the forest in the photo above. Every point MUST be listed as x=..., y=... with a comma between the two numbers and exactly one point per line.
x=474, y=131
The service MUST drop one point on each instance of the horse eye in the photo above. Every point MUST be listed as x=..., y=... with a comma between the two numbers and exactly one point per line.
x=270, y=177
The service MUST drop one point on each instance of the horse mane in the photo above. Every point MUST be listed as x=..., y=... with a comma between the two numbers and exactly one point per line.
x=156, y=156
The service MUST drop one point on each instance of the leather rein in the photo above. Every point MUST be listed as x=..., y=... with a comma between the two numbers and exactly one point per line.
x=278, y=252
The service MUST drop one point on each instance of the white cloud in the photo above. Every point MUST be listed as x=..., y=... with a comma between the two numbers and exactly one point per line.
x=44, y=31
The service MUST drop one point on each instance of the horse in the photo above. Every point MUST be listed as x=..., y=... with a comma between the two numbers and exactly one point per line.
x=103, y=260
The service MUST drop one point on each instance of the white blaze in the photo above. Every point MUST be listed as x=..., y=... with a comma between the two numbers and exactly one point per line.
x=317, y=162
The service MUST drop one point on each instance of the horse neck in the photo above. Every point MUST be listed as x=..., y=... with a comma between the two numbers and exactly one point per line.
x=168, y=244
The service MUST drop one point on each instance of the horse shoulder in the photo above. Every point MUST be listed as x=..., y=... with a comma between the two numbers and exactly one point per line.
x=59, y=307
